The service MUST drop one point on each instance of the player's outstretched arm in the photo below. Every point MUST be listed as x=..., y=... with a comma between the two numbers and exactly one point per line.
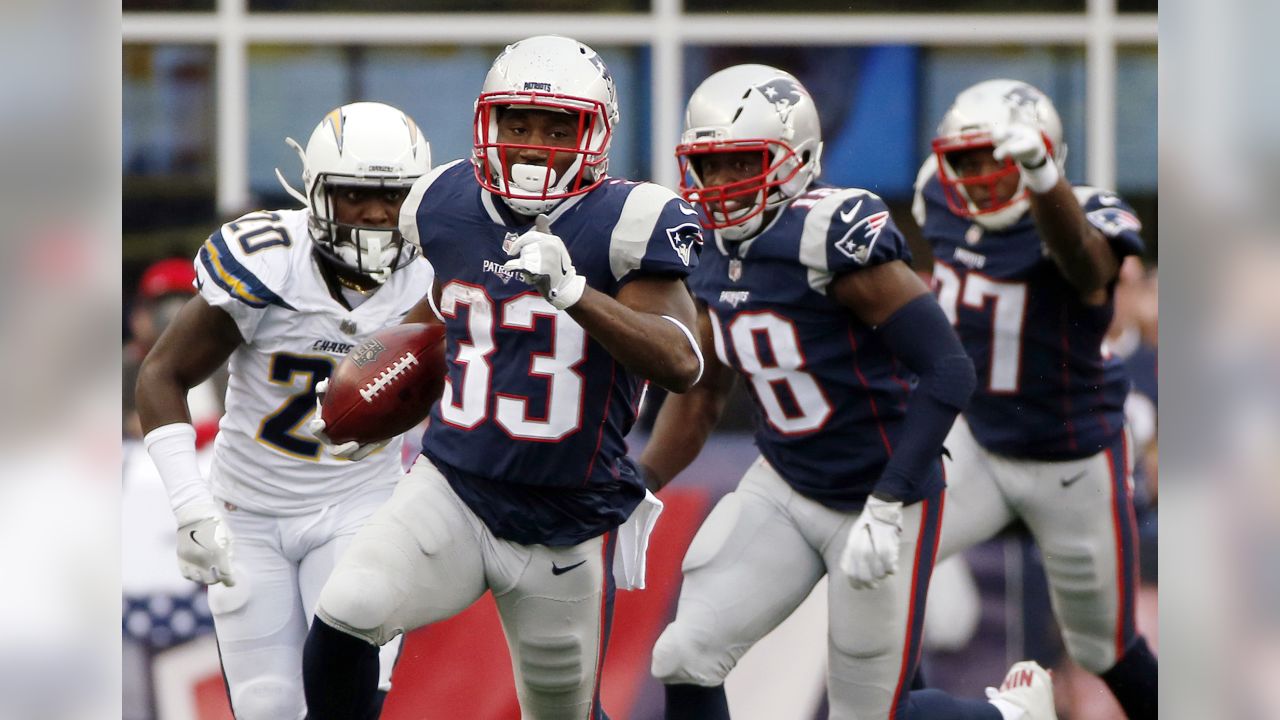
x=647, y=328
x=685, y=421
x=1081, y=252
x=892, y=299
x=198, y=341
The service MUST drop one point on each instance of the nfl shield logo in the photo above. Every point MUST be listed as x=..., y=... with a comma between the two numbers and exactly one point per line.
x=735, y=269
x=973, y=234
x=348, y=327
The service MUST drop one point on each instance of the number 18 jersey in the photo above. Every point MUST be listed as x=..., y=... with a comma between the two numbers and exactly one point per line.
x=830, y=395
x=261, y=270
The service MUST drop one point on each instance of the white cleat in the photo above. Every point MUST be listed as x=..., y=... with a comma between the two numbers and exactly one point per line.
x=1025, y=694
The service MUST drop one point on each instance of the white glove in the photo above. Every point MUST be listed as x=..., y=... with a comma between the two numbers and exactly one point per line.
x=1020, y=139
x=204, y=544
x=349, y=450
x=871, y=551
x=543, y=261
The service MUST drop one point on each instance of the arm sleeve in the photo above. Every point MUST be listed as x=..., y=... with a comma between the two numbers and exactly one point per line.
x=1116, y=220
x=657, y=233
x=920, y=336
x=847, y=231
x=239, y=278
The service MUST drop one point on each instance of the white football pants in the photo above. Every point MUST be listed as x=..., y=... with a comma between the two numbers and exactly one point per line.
x=1081, y=515
x=425, y=557
x=280, y=564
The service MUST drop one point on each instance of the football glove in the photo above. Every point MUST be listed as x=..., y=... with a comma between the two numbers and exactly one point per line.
x=1020, y=140
x=542, y=261
x=204, y=544
x=871, y=550
x=350, y=450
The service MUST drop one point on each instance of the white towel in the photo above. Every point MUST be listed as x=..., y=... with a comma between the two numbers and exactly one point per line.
x=633, y=543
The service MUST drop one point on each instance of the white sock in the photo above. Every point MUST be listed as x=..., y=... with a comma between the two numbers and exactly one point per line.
x=1008, y=710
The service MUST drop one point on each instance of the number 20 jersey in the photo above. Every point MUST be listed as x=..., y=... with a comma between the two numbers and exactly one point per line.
x=830, y=395
x=530, y=429
x=262, y=271
x=1046, y=388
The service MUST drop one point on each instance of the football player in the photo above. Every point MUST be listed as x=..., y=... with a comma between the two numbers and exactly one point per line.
x=1026, y=266
x=808, y=296
x=562, y=292
x=285, y=295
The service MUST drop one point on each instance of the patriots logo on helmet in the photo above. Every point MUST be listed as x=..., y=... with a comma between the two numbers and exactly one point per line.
x=1023, y=97
x=784, y=93
x=683, y=237
x=367, y=352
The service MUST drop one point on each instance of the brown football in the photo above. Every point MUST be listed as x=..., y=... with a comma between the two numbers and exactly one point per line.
x=386, y=384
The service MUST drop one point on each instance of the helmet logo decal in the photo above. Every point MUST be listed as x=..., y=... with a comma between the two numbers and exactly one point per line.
x=541, y=86
x=334, y=121
x=784, y=93
x=413, y=134
x=1023, y=97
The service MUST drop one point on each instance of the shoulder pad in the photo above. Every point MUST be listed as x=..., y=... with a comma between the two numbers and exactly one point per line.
x=249, y=259
x=409, y=208
x=926, y=173
x=656, y=229
x=1107, y=211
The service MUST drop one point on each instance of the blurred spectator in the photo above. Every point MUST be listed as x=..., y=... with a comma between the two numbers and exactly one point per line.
x=165, y=287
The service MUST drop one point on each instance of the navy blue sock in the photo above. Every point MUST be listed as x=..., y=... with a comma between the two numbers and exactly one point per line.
x=937, y=705
x=1135, y=681
x=339, y=675
x=695, y=702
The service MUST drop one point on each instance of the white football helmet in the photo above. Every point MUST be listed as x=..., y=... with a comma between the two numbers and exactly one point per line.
x=547, y=72
x=968, y=124
x=750, y=108
x=363, y=144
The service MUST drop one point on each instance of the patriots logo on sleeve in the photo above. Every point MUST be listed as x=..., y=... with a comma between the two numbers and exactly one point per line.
x=858, y=245
x=1113, y=221
x=784, y=93
x=683, y=237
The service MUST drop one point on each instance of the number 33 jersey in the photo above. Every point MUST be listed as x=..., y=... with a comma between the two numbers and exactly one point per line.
x=830, y=395
x=529, y=431
x=1047, y=389
x=261, y=270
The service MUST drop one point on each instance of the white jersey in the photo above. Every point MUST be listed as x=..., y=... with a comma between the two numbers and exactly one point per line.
x=262, y=271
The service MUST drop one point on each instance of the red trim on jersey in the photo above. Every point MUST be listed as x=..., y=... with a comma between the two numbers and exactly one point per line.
x=1117, y=497
x=600, y=629
x=604, y=419
x=875, y=412
x=1066, y=382
x=906, y=668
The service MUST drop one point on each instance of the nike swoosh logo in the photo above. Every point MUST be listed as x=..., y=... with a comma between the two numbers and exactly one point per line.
x=557, y=570
x=687, y=211
x=1068, y=482
x=847, y=217
x=192, y=533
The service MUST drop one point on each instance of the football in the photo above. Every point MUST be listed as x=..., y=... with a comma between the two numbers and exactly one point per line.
x=386, y=384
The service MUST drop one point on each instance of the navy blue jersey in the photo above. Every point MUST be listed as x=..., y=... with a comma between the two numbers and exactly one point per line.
x=830, y=396
x=530, y=428
x=1046, y=390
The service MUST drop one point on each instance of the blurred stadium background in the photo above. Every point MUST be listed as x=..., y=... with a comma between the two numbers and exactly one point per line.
x=212, y=87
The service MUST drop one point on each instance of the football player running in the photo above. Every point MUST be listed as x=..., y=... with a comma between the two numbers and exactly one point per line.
x=562, y=292
x=285, y=295
x=808, y=295
x=1026, y=266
